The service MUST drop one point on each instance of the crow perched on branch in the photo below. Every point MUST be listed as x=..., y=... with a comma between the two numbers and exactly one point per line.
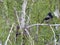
x=47, y=19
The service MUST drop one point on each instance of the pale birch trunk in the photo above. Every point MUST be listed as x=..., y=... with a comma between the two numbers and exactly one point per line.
x=22, y=24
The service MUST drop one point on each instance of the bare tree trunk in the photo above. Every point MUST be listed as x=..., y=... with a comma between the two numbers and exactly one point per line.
x=22, y=26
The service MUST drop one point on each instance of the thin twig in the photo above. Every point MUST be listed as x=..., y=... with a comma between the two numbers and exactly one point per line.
x=16, y=13
x=27, y=32
x=54, y=35
x=31, y=39
x=42, y=25
x=9, y=34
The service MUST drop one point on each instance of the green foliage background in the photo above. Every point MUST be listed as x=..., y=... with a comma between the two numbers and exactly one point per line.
x=37, y=12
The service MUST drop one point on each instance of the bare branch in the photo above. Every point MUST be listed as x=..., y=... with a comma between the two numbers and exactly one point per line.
x=23, y=18
x=23, y=13
x=31, y=39
x=9, y=34
x=54, y=35
x=16, y=13
x=42, y=25
x=27, y=32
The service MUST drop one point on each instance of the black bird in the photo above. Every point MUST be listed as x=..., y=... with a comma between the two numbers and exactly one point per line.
x=47, y=19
